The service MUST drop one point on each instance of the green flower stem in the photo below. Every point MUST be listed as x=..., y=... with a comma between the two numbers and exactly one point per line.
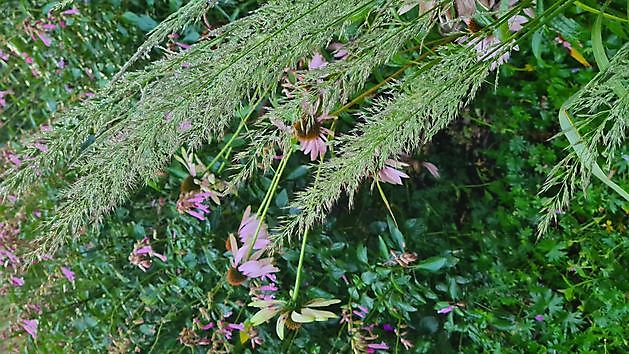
x=300, y=265
x=242, y=124
x=267, y=199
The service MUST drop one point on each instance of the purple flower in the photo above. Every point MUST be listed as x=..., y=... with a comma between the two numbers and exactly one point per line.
x=142, y=253
x=317, y=62
x=30, y=326
x=17, y=281
x=377, y=346
x=3, y=102
x=45, y=39
x=191, y=203
x=390, y=173
x=68, y=274
x=432, y=169
x=72, y=11
x=61, y=63
x=539, y=317
x=185, y=125
x=40, y=146
x=387, y=327
x=246, y=232
x=258, y=268
x=445, y=310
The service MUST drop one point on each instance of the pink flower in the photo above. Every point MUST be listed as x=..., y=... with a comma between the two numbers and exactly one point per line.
x=3, y=102
x=61, y=63
x=445, y=310
x=312, y=137
x=377, y=346
x=4, y=56
x=432, y=169
x=30, y=326
x=17, y=281
x=142, y=254
x=49, y=26
x=246, y=231
x=72, y=11
x=258, y=268
x=27, y=58
x=390, y=174
x=68, y=274
x=539, y=317
x=183, y=46
x=317, y=62
x=191, y=203
x=45, y=39
x=41, y=147
x=339, y=51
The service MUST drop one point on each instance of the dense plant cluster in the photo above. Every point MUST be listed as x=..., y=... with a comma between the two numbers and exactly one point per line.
x=314, y=176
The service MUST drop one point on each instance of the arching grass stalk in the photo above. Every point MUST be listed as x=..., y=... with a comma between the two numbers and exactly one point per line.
x=242, y=124
x=264, y=207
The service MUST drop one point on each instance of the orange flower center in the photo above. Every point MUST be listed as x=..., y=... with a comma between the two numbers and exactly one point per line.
x=235, y=277
x=307, y=130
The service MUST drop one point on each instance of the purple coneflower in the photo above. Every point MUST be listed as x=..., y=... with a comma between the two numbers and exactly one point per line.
x=312, y=136
x=390, y=173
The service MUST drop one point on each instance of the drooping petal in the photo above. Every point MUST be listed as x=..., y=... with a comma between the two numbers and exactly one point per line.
x=68, y=274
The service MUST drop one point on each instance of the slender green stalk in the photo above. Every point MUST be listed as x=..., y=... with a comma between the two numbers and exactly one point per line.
x=300, y=265
x=267, y=199
x=242, y=124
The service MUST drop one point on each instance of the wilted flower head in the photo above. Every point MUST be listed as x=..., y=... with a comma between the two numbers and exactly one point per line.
x=390, y=173
x=142, y=254
x=489, y=47
x=191, y=203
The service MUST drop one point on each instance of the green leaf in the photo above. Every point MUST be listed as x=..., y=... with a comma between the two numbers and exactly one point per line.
x=396, y=234
x=384, y=250
x=361, y=254
x=597, y=45
x=297, y=173
x=282, y=199
x=432, y=264
x=146, y=23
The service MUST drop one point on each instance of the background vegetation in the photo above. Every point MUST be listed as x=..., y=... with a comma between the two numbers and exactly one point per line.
x=459, y=268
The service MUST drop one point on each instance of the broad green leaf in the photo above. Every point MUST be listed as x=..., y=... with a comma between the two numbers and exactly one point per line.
x=597, y=45
x=432, y=264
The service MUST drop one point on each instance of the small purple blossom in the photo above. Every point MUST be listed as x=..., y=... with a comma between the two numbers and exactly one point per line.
x=377, y=346
x=68, y=274
x=388, y=328
x=445, y=310
x=317, y=62
x=45, y=39
x=17, y=281
x=539, y=317
x=72, y=11
x=30, y=326
x=390, y=173
x=185, y=125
